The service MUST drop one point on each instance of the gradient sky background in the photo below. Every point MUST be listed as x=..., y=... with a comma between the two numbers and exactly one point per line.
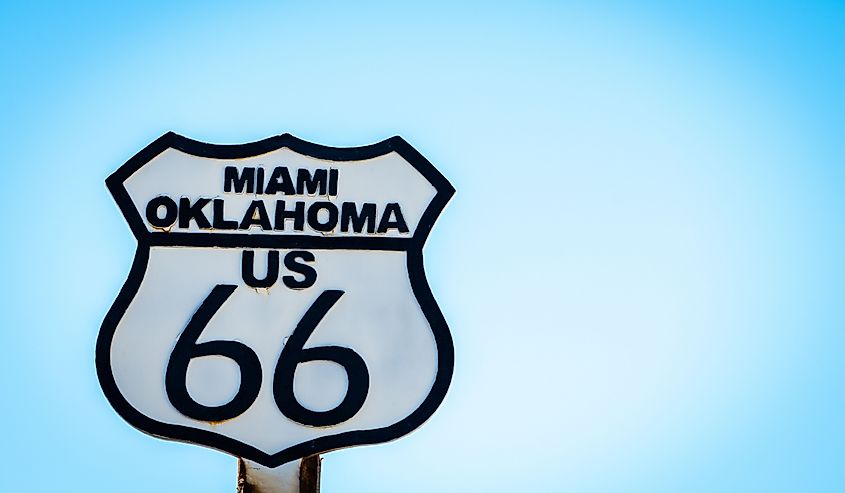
x=643, y=267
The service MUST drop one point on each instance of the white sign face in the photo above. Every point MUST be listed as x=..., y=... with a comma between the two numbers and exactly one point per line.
x=277, y=306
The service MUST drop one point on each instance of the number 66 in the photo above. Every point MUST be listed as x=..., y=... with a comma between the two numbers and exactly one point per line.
x=292, y=355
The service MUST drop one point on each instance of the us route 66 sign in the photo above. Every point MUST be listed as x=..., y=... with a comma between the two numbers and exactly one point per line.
x=277, y=305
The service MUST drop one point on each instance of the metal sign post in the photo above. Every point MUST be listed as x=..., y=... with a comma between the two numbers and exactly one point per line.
x=277, y=307
x=301, y=476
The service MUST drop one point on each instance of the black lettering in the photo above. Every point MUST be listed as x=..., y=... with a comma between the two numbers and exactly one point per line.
x=297, y=214
x=386, y=223
x=349, y=214
x=314, y=216
x=248, y=269
x=256, y=215
x=231, y=180
x=188, y=211
x=309, y=274
x=332, y=182
x=171, y=210
x=294, y=353
x=305, y=182
x=187, y=348
x=259, y=180
x=218, y=221
x=280, y=181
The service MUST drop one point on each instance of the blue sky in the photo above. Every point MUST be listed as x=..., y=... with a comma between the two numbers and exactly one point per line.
x=642, y=266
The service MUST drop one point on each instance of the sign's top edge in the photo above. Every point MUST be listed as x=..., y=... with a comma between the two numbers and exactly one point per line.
x=172, y=140
x=285, y=140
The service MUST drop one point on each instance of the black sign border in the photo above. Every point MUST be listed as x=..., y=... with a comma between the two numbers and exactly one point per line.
x=147, y=239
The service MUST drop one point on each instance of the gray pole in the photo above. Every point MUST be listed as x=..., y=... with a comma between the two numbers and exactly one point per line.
x=301, y=476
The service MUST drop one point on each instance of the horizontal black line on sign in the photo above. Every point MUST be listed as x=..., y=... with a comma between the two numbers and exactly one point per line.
x=235, y=240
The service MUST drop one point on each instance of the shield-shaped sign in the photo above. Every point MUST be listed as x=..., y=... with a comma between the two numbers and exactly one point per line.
x=277, y=306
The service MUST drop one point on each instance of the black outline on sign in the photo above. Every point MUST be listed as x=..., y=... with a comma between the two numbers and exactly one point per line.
x=147, y=239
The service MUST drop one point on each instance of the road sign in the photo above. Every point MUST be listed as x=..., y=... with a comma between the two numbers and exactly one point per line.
x=277, y=306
